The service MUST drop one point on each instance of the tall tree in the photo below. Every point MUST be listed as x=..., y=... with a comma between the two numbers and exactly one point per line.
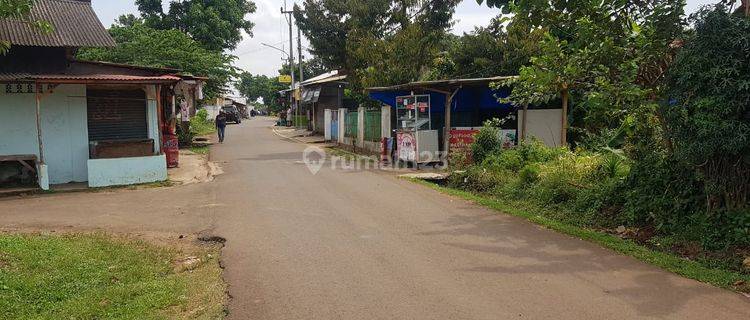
x=312, y=67
x=495, y=50
x=254, y=87
x=216, y=24
x=608, y=55
x=166, y=48
x=709, y=111
x=377, y=42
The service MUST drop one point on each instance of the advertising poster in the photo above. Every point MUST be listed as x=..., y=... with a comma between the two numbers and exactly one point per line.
x=407, y=146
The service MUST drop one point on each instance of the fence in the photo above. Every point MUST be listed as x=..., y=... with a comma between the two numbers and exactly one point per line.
x=372, y=125
x=352, y=118
x=300, y=121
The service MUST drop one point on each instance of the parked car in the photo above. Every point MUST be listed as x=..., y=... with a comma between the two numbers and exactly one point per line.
x=233, y=115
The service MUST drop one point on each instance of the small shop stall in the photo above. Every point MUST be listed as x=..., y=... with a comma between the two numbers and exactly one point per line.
x=416, y=140
x=453, y=111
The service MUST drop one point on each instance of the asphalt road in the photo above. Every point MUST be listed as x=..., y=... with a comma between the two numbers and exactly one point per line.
x=362, y=244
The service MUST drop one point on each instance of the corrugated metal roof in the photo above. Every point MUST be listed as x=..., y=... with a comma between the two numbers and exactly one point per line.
x=452, y=83
x=75, y=25
x=115, y=78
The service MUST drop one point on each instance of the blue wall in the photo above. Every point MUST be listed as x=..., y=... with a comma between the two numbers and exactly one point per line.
x=126, y=171
x=64, y=130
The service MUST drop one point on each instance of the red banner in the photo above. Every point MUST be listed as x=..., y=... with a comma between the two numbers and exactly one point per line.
x=461, y=139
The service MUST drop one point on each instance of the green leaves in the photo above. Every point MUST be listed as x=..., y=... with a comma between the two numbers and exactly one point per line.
x=20, y=10
x=216, y=24
x=254, y=87
x=165, y=48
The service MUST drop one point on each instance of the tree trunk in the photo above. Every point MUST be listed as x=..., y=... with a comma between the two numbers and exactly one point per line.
x=564, y=133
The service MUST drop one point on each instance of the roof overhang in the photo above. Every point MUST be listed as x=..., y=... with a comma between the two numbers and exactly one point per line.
x=442, y=85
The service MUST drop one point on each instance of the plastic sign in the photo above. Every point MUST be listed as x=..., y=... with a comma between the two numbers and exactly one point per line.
x=285, y=79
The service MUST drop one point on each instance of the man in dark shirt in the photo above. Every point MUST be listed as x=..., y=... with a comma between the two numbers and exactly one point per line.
x=221, y=125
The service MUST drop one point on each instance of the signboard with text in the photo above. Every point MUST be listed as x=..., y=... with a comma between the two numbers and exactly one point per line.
x=285, y=79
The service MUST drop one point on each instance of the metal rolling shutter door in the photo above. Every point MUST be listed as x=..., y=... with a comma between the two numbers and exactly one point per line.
x=117, y=115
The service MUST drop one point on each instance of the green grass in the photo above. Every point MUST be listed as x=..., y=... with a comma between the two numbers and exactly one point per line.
x=98, y=277
x=202, y=150
x=201, y=127
x=690, y=269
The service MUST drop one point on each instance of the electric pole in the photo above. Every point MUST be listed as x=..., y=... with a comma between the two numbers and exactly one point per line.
x=291, y=56
x=299, y=51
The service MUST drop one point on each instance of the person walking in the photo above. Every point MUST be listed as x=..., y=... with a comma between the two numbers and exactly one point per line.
x=221, y=125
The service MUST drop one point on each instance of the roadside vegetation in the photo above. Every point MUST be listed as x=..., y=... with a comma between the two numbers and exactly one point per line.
x=99, y=277
x=201, y=125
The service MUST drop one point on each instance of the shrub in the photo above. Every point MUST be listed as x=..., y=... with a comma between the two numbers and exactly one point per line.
x=528, y=175
x=486, y=142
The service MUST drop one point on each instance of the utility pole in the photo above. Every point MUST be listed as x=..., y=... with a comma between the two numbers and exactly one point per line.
x=291, y=54
x=299, y=51
x=301, y=71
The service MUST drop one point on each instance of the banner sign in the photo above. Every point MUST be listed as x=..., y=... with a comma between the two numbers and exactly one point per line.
x=285, y=79
x=462, y=138
x=407, y=146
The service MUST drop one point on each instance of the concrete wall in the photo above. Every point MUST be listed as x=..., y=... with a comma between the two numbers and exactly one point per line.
x=126, y=171
x=544, y=124
x=64, y=130
x=385, y=121
x=342, y=125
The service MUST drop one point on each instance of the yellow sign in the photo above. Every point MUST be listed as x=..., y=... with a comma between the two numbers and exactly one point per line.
x=285, y=79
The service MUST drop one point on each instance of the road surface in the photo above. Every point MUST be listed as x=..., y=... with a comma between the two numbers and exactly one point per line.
x=347, y=244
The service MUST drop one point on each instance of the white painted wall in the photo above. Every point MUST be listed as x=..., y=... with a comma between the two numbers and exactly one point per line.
x=327, y=124
x=64, y=130
x=385, y=121
x=545, y=125
x=126, y=171
x=342, y=125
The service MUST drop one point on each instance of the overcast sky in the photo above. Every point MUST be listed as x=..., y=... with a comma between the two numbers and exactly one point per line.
x=271, y=28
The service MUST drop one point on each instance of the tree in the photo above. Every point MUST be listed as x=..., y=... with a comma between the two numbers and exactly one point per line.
x=488, y=51
x=708, y=113
x=20, y=10
x=165, y=48
x=312, y=67
x=377, y=42
x=216, y=24
x=254, y=87
x=608, y=55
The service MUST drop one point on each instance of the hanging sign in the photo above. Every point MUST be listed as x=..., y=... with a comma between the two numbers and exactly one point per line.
x=285, y=78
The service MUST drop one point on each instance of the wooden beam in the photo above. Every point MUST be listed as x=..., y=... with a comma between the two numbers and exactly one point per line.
x=564, y=133
x=38, y=90
x=447, y=134
x=524, y=121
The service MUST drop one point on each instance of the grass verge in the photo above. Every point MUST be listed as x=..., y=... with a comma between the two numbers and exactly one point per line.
x=690, y=269
x=99, y=277
x=200, y=127
x=202, y=150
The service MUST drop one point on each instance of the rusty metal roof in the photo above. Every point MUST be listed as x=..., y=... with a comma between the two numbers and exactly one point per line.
x=91, y=78
x=96, y=72
x=74, y=21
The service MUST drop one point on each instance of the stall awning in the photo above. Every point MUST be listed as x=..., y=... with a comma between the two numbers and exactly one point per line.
x=311, y=95
x=467, y=98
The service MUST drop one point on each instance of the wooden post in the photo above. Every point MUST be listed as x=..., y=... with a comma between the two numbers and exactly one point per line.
x=448, y=125
x=524, y=121
x=159, y=117
x=38, y=90
x=564, y=133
